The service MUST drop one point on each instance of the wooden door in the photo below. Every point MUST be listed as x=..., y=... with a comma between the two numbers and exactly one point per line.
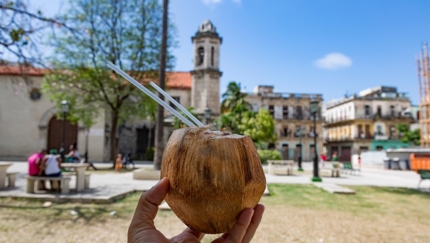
x=55, y=134
x=298, y=152
x=145, y=139
x=285, y=155
x=345, y=154
x=367, y=129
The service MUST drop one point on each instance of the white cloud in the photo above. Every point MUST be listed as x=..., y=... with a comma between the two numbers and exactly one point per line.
x=208, y=2
x=211, y=2
x=333, y=61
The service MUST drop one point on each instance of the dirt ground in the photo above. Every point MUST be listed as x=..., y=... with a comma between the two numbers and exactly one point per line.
x=294, y=213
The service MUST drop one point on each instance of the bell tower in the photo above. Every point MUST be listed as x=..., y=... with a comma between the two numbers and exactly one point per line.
x=205, y=89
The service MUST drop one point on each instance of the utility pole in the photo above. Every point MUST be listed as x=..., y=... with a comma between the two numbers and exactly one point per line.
x=159, y=128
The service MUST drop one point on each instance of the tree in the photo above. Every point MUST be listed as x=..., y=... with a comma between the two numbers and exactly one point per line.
x=233, y=97
x=238, y=117
x=259, y=126
x=232, y=119
x=159, y=132
x=120, y=31
x=233, y=107
x=177, y=123
x=408, y=136
x=21, y=31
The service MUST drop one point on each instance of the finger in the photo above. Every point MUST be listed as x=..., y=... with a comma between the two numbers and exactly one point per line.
x=255, y=221
x=188, y=235
x=147, y=207
x=238, y=231
x=221, y=239
x=199, y=235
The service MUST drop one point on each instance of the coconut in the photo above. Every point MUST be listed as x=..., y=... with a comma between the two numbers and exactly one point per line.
x=213, y=177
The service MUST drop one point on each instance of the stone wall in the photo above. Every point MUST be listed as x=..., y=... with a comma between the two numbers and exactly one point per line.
x=205, y=91
x=24, y=121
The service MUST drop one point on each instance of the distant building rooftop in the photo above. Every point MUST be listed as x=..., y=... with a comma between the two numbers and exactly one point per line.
x=375, y=93
x=175, y=80
x=267, y=91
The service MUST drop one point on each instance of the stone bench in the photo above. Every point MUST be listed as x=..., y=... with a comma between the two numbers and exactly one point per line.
x=286, y=166
x=31, y=180
x=87, y=181
x=11, y=176
x=87, y=178
x=335, y=170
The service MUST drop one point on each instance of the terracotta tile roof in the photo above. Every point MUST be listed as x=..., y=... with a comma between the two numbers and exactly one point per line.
x=175, y=80
x=17, y=70
x=179, y=80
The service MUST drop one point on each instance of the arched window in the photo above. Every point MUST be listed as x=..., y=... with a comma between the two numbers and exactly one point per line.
x=200, y=55
x=212, y=55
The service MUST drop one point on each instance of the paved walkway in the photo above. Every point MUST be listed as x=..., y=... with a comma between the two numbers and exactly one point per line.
x=111, y=186
x=367, y=177
x=104, y=187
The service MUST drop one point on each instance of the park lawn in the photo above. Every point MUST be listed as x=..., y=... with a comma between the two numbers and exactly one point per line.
x=294, y=213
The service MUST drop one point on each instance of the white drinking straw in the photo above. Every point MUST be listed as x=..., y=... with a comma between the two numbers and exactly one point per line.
x=146, y=91
x=177, y=104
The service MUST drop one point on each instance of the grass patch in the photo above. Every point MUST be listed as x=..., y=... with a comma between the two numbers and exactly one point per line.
x=294, y=213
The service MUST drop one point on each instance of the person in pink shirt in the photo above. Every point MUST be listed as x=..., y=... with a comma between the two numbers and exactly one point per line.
x=34, y=162
x=34, y=165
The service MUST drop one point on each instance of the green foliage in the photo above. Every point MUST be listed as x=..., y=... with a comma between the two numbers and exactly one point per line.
x=233, y=107
x=108, y=32
x=266, y=155
x=178, y=123
x=260, y=126
x=232, y=119
x=408, y=136
x=233, y=97
x=238, y=117
x=124, y=32
x=21, y=31
x=149, y=155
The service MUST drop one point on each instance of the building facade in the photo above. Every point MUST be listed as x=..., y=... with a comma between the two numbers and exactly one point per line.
x=28, y=120
x=366, y=121
x=291, y=112
x=205, y=89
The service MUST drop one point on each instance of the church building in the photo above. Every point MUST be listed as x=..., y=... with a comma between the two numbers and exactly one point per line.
x=29, y=122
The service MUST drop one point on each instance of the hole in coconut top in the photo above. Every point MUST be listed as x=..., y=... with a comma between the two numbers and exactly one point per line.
x=220, y=134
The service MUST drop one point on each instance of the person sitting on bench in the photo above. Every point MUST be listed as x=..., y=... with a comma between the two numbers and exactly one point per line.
x=74, y=154
x=35, y=166
x=51, y=164
x=127, y=160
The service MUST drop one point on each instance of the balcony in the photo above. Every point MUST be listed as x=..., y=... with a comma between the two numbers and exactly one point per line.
x=287, y=95
x=365, y=137
x=297, y=117
x=367, y=117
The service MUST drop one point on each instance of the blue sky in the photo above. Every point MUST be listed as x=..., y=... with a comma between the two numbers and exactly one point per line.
x=326, y=46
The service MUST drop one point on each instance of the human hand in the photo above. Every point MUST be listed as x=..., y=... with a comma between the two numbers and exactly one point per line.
x=142, y=228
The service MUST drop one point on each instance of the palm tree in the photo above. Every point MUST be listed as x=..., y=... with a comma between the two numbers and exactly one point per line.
x=233, y=97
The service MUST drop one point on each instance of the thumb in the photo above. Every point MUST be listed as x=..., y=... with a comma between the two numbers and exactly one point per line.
x=147, y=207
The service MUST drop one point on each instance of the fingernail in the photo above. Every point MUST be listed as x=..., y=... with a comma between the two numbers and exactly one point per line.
x=158, y=182
x=161, y=180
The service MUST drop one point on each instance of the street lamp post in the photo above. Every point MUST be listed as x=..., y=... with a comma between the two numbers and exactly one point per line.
x=65, y=106
x=207, y=115
x=300, y=133
x=87, y=133
x=314, y=110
